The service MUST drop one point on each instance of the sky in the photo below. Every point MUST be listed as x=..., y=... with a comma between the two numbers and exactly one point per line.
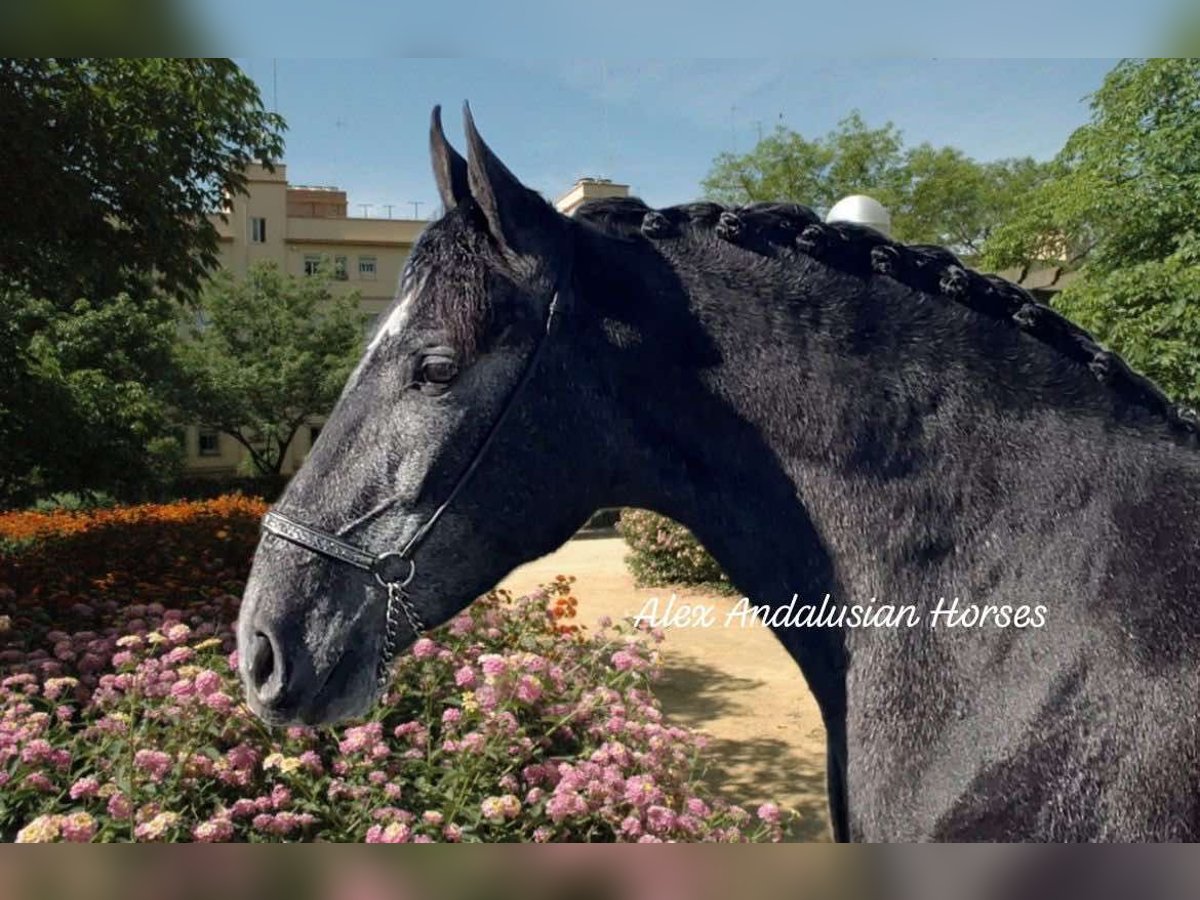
x=362, y=124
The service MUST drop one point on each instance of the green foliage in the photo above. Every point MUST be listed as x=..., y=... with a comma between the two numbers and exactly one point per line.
x=1124, y=204
x=1149, y=312
x=936, y=195
x=661, y=552
x=84, y=397
x=108, y=167
x=265, y=354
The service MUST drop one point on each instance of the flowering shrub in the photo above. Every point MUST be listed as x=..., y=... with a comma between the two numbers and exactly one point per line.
x=123, y=720
x=664, y=552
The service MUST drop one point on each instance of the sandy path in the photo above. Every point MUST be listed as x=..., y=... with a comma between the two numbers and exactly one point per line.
x=736, y=685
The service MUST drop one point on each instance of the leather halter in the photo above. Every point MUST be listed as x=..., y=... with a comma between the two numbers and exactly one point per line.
x=395, y=570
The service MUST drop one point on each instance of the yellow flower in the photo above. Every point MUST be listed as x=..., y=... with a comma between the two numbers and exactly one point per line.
x=207, y=644
x=41, y=830
x=155, y=638
x=468, y=702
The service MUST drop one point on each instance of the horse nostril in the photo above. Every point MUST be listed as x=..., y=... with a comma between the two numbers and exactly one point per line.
x=262, y=665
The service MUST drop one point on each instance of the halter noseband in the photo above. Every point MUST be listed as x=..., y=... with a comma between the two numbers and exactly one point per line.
x=396, y=570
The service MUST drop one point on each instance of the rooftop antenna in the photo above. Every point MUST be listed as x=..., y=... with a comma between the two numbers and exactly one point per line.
x=274, y=85
x=365, y=207
x=608, y=144
x=388, y=207
x=416, y=205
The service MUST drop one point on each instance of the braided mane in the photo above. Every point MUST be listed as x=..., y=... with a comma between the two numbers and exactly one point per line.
x=787, y=229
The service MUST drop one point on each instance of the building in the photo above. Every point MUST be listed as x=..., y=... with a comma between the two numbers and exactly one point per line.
x=298, y=227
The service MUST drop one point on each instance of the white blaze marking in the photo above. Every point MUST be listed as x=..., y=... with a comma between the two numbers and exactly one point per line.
x=396, y=321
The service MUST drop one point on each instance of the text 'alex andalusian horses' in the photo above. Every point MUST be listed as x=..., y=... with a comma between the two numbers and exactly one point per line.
x=831, y=413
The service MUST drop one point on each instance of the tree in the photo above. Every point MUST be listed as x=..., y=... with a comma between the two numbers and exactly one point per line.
x=935, y=195
x=1123, y=206
x=853, y=158
x=265, y=354
x=108, y=168
x=83, y=407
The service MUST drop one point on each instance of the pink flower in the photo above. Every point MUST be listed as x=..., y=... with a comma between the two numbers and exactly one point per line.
x=157, y=827
x=178, y=656
x=501, y=808
x=769, y=813
x=242, y=808
x=660, y=818
x=281, y=797
x=452, y=834
x=39, y=782
x=425, y=649
x=624, y=661
x=393, y=833
x=219, y=702
x=78, y=828
x=641, y=791
x=243, y=757
x=361, y=737
x=207, y=682
x=563, y=805
x=216, y=830
x=85, y=788
x=451, y=716
x=529, y=689
x=465, y=677
x=36, y=751
x=154, y=763
x=119, y=807
x=697, y=807
x=631, y=826
x=493, y=664
x=311, y=762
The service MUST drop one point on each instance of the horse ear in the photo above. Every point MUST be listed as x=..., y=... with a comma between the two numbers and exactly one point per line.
x=518, y=218
x=449, y=169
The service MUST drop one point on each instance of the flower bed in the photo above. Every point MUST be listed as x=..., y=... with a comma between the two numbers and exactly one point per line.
x=662, y=552
x=120, y=712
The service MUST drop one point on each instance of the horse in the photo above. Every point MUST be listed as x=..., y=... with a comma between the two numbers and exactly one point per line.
x=833, y=414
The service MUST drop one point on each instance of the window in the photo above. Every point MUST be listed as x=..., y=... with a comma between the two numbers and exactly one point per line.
x=258, y=230
x=312, y=263
x=210, y=442
x=366, y=267
x=339, y=268
x=314, y=432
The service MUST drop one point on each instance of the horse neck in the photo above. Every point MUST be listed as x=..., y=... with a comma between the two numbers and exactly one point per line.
x=830, y=438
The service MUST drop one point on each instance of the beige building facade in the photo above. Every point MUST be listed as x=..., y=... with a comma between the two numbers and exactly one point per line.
x=299, y=227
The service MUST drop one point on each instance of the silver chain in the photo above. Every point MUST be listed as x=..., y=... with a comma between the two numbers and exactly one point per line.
x=397, y=599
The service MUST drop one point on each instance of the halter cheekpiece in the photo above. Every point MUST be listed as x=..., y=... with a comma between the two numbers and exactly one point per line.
x=395, y=570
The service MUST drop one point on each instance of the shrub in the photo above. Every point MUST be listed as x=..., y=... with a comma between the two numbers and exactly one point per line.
x=664, y=552
x=122, y=721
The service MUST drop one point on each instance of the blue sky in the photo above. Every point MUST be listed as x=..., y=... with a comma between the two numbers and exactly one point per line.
x=362, y=124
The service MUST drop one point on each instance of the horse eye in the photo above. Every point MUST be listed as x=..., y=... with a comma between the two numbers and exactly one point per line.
x=438, y=370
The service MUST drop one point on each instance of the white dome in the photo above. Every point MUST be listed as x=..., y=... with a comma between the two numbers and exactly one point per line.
x=862, y=210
